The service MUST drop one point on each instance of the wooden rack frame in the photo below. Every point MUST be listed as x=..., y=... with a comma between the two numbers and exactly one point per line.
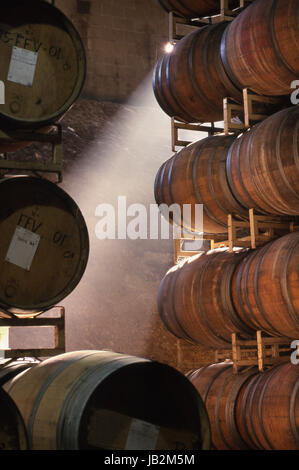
x=240, y=117
x=55, y=139
x=261, y=352
x=177, y=125
x=237, y=118
x=261, y=230
x=225, y=13
x=39, y=322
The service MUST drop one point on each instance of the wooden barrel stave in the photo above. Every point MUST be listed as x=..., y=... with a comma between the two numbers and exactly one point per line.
x=61, y=398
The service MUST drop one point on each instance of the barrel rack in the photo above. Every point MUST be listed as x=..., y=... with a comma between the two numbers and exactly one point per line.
x=58, y=322
x=34, y=166
x=261, y=230
x=262, y=352
x=225, y=13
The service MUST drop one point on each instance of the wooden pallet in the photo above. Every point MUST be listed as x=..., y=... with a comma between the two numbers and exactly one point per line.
x=55, y=166
x=262, y=352
x=225, y=13
x=58, y=322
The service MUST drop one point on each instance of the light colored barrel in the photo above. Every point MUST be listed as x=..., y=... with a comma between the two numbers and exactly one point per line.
x=43, y=63
x=44, y=245
x=102, y=400
x=260, y=48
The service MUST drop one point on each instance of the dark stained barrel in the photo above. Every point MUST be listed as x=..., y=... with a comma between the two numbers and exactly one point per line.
x=220, y=390
x=12, y=429
x=262, y=165
x=195, y=303
x=44, y=245
x=260, y=48
x=257, y=411
x=43, y=63
x=268, y=410
x=265, y=288
x=190, y=82
x=197, y=175
x=193, y=8
x=89, y=400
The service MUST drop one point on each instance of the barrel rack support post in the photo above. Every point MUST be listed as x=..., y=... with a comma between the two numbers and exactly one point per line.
x=57, y=322
x=54, y=166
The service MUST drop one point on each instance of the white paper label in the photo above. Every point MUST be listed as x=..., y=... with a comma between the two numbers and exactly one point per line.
x=142, y=436
x=22, y=66
x=23, y=248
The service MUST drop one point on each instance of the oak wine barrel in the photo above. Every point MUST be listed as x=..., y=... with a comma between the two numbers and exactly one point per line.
x=194, y=8
x=262, y=165
x=13, y=434
x=260, y=47
x=190, y=82
x=220, y=389
x=44, y=245
x=73, y=402
x=265, y=288
x=197, y=175
x=252, y=410
x=43, y=63
x=194, y=300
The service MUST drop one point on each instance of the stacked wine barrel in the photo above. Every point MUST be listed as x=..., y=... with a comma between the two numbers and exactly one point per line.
x=251, y=411
x=44, y=238
x=212, y=295
x=72, y=402
x=257, y=50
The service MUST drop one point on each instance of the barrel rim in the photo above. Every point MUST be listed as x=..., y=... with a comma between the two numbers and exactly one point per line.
x=84, y=244
x=8, y=121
